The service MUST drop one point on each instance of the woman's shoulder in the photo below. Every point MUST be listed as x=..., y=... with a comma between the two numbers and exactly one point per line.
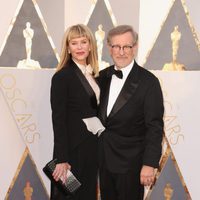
x=65, y=71
x=63, y=74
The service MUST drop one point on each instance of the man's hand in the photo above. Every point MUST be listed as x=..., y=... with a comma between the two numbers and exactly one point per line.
x=147, y=175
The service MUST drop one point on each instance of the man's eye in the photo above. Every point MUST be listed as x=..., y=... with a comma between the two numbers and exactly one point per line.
x=116, y=46
x=128, y=47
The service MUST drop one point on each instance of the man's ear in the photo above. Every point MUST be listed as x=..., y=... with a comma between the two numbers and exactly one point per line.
x=109, y=48
x=136, y=45
x=135, y=48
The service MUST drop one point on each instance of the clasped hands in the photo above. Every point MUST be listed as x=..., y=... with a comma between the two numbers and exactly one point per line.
x=60, y=172
x=94, y=125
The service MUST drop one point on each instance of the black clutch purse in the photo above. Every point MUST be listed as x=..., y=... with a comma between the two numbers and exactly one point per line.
x=70, y=186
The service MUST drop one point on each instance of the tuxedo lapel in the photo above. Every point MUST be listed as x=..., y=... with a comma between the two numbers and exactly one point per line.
x=83, y=80
x=85, y=84
x=104, y=96
x=127, y=91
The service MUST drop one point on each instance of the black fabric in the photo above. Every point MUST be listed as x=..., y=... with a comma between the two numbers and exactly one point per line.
x=118, y=186
x=72, y=99
x=118, y=73
x=133, y=134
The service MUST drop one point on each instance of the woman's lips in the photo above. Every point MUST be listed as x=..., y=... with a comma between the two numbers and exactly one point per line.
x=80, y=53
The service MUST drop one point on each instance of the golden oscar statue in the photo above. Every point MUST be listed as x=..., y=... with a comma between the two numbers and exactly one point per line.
x=28, y=191
x=100, y=35
x=28, y=63
x=174, y=65
x=168, y=192
x=28, y=35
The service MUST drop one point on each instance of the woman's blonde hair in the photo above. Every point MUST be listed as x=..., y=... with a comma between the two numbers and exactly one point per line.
x=77, y=31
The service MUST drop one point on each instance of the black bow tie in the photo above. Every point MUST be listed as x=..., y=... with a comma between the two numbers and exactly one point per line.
x=118, y=73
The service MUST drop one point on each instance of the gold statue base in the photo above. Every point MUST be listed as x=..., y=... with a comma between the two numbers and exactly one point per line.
x=28, y=64
x=174, y=67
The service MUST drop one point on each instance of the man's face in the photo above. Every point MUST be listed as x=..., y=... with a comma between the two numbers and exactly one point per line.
x=122, y=49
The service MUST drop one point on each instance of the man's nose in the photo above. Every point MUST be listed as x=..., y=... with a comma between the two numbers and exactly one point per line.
x=121, y=51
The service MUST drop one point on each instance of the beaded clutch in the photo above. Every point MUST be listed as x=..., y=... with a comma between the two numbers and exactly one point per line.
x=71, y=185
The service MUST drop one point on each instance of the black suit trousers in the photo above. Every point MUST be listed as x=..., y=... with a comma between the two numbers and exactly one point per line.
x=120, y=186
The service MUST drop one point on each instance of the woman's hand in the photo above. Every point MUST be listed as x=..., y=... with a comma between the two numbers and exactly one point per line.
x=60, y=171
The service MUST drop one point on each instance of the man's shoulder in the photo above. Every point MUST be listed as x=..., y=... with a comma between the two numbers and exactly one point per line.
x=146, y=73
x=105, y=72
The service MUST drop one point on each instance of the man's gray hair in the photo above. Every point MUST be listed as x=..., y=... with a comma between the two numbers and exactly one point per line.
x=121, y=29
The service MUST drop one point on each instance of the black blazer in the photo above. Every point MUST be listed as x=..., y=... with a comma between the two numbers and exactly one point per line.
x=72, y=99
x=134, y=127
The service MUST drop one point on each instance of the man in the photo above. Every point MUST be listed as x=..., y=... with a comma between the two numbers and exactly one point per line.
x=131, y=109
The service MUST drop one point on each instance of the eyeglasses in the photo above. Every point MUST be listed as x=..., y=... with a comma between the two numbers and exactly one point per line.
x=125, y=48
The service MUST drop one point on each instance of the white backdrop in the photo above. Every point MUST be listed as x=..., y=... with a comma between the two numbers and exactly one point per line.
x=182, y=114
x=28, y=91
x=25, y=120
x=58, y=16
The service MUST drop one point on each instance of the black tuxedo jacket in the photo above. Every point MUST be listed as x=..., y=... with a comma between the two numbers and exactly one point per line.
x=72, y=99
x=134, y=127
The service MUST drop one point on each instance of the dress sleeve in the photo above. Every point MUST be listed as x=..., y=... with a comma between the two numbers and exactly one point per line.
x=58, y=105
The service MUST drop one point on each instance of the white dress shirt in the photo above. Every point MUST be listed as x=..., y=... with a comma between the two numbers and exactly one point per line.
x=116, y=86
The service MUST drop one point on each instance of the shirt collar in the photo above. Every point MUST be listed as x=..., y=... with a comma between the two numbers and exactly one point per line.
x=84, y=68
x=126, y=70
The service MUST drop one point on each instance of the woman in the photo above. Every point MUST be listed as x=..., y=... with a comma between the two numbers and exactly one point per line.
x=74, y=97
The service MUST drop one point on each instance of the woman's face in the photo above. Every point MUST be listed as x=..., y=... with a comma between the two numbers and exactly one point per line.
x=79, y=49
